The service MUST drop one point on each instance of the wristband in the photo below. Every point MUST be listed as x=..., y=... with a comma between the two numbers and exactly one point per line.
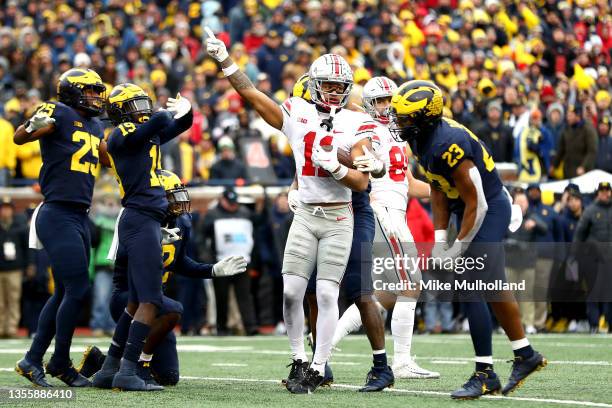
x=230, y=70
x=440, y=235
x=340, y=173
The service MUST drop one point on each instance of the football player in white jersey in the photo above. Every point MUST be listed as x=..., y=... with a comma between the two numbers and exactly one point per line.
x=389, y=200
x=322, y=228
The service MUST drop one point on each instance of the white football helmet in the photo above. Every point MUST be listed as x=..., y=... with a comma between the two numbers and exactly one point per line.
x=377, y=87
x=330, y=68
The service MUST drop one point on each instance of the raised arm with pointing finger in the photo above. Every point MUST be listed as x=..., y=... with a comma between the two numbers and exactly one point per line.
x=266, y=107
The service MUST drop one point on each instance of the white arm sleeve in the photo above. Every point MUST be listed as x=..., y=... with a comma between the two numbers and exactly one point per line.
x=481, y=205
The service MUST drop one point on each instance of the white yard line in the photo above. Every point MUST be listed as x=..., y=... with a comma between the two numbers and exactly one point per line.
x=416, y=392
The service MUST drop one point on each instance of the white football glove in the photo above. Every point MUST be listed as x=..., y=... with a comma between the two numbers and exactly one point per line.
x=368, y=163
x=326, y=160
x=516, y=218
x=384, y=218
x=38, y=121
x=215, y=48
x=170, y=235
x=294, y=200
x=440, y=245
x=179, y=107
x=232, y=265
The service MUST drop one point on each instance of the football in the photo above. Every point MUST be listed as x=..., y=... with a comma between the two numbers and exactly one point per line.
x=344, y=157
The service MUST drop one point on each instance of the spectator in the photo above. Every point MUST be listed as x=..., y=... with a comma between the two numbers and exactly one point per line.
x=533, y=149
x=228, y=230
x=545, y=239
x=496, y=135
x=13, y=263
x=595, y=230
x=228, y=167
x=106, y=211
x=604, y=148
x=555, y=124
x=7, y=152
x=577, y=148
x=521, y=258
x=272, y=57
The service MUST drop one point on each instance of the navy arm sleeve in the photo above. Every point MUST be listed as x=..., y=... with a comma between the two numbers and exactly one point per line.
x=192, y=269
x=144, y=132
x=176, y=127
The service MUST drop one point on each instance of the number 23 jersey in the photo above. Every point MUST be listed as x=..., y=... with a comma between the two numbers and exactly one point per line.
x=301, y=125
x=450, y=144
x=70, y=160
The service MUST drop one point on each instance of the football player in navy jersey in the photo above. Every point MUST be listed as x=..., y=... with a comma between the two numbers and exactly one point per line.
x=159, y=356
x=464, y=182
x=69, y=135
x=133, y=149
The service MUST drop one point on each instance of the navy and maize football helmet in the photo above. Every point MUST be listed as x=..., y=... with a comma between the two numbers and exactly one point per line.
x=82, y=89
x=416, y=108
x=176, y=193
x=300, y=89
x=129, y=103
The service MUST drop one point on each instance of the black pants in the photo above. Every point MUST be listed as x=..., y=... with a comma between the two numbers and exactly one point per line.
x=242, y=288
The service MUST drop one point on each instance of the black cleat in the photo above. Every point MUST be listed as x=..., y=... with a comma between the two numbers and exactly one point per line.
x=144, y=372
x=521, y=369
x=378, y=379
x=312, y=379
x=132, y=382
x=34, y=373
x=67, y=374
x=91, y=362
x=298, y=369
x=479, y=384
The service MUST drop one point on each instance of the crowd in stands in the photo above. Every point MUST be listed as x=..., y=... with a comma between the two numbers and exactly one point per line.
x=528, y=77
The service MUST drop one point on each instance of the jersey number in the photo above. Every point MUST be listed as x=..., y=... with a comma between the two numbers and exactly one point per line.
x=168, y=251
x=486, y=157
x=309, y=169
x=89, y=143
x=155, y=165
x=453, y=155
x=397, y=161
x=46, y=108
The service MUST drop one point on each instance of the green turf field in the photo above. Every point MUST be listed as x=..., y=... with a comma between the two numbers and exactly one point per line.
x=238, y=372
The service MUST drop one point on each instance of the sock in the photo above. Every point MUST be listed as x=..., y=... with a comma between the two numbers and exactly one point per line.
x=318, y=367
x=484, y=363
x=522, y=348
x=145, y=357
x=402, y=326
x=136, y=338
x=379, y=357
x=66, y=319
x=349, y=322
x=481, y=329
x=45, y=330
x=294, y=288
x=327, y=320
x=120, y=336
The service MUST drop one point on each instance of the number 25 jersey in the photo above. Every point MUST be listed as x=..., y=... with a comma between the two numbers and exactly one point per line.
x=444, y=150
x=301, y=125
x=70, y=161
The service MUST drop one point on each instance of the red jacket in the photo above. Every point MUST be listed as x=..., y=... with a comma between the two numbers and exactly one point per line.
x=421, y=226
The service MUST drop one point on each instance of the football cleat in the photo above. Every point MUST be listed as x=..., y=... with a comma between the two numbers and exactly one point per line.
x=68, y=374
x=311, y=380
x=328, y=376
x=296, y=374
x=132, y=382
x=521, y=369
x=479, y=384
x=413, y=370
x=91, y=362
x=378, y=379
x=34, y=373
x=144, y=372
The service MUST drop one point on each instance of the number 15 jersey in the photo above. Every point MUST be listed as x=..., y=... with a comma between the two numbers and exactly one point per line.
x=70, y=161
x=301, y=125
